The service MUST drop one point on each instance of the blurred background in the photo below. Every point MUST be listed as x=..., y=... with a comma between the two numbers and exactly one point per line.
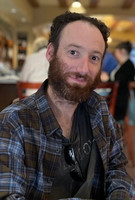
x=21, y=21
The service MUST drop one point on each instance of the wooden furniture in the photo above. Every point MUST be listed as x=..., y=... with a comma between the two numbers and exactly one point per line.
x=110, y=91
x=8, y=92
x=23, y=86
x=128, y=129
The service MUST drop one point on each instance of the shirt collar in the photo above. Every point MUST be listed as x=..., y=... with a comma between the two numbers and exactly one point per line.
x=49, y=122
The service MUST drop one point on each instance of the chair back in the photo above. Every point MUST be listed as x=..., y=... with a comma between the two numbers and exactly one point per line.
x=129, y=123
x=109, y=90
x=23, y=86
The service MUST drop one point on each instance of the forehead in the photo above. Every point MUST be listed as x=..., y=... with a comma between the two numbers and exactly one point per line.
x=83, y=34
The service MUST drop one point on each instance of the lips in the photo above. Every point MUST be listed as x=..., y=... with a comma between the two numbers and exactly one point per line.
x=75, y=79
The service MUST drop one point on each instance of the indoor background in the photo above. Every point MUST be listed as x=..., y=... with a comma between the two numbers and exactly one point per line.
x=23, y=20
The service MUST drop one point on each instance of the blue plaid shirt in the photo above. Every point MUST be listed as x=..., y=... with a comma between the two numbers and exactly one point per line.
x=31, y=145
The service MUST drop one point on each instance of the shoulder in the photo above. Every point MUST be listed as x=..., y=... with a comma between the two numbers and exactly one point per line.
x=95, y=98
x=99, y=111
x=128, y=68
x=128, y=64
x=97, y=102
x=16, y=112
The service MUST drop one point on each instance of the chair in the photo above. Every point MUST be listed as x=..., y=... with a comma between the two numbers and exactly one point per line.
x=109, y=90
x=23, y=86
x=129, y=128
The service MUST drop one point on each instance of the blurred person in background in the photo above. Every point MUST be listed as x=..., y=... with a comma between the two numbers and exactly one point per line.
x=35, y=68
x=5, y=64
x=108, y=65
x=123, y=73
x=5, y=68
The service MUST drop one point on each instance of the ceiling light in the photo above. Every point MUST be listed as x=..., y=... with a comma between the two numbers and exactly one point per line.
x=109, y=40
x=13, y=10
x=77, y=7
x=23, y=19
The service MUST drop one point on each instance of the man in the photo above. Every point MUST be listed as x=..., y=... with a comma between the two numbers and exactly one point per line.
x=62, y=142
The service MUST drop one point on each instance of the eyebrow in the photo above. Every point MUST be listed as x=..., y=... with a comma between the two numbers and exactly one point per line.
x=74, y=45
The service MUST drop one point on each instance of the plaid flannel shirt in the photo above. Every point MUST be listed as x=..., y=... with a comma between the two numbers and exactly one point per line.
x=31, y=144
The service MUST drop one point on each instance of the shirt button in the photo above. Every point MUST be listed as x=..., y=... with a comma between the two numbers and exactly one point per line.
x=57, y=150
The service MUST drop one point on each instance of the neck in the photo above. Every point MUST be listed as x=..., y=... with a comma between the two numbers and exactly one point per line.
x=62, y=109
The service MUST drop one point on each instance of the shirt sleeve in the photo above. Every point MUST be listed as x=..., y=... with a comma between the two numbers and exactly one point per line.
x=119, y=185
x=13, y=181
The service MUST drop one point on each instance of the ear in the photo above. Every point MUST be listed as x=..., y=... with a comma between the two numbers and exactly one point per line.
x=50, y=52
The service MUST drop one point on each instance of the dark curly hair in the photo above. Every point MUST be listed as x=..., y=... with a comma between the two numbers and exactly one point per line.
x=127, y=45
x=62, y=20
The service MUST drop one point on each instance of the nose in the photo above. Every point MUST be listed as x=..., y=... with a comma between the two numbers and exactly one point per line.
x=83, y=66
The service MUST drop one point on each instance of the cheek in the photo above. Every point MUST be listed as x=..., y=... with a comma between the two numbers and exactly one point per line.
x=117, y=54
x=68, y=67
x=93, y=71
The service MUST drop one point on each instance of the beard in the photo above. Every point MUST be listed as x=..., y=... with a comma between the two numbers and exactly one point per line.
x=57, y=78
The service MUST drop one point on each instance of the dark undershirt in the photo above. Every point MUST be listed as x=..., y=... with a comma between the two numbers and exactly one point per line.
x=64, y=186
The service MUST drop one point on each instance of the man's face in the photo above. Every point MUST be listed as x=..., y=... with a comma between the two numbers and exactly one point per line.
x=75, y=69
x=58, y=79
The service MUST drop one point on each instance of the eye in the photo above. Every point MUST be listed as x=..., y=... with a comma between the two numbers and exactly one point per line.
x=73, y=52
x=95, y=58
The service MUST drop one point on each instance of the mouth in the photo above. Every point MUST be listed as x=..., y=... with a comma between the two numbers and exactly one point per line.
x=78, y=80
